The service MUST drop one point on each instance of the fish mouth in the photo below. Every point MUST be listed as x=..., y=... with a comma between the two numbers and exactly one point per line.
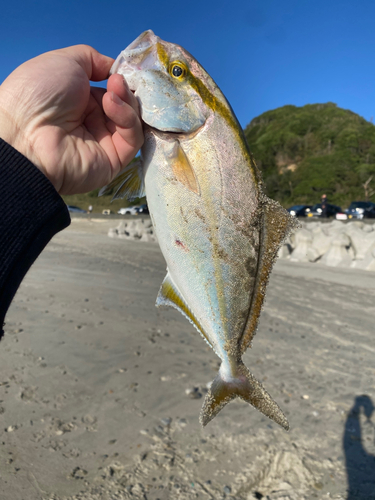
x=143, y=41
x=166, y=134
x=141, y=52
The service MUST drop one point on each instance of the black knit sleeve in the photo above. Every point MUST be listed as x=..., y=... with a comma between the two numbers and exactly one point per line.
x=31, y=213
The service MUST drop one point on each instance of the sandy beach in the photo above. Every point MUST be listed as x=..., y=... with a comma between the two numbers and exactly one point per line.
x=100, y=392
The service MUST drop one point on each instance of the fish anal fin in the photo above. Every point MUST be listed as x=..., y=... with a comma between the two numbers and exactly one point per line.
x=129, y=183
x=169, y=296
x=242, y=385
x=182, y=169
x=277, y=225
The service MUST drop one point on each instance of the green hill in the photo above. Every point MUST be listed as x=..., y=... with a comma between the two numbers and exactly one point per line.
x=306, y=151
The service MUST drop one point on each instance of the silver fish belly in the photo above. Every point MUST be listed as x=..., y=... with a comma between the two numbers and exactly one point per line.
x=218, y=232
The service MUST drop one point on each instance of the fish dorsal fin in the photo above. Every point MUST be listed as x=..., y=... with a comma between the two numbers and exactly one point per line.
x=183, y=170
x=170, y=296
x=277, y=225
x=129, y=183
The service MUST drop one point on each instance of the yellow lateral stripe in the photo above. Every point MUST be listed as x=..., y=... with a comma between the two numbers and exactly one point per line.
x=225, y=111
x=217, y=107
x=162, y=55
x=212, y=101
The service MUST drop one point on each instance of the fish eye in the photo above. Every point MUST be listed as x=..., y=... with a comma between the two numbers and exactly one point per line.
x=178, y=70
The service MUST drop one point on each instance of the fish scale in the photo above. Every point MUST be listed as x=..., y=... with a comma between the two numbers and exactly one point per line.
x=218, y=232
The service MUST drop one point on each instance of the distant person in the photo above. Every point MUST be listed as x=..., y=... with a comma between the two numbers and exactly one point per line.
x=58, y=136
x=324, y=207
x=89, y=210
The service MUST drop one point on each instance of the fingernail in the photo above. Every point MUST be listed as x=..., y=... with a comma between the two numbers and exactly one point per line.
x=116, y=99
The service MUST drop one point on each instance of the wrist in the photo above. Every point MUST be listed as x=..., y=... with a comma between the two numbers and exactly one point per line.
x=7, y=127
x=13, y=133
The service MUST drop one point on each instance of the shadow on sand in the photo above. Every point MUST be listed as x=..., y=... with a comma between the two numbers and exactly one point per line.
x=360, y=465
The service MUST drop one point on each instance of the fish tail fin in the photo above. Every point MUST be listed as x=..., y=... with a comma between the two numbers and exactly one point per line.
x=242, y=385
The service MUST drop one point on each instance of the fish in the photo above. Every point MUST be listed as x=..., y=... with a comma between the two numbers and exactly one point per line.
x=217, y=230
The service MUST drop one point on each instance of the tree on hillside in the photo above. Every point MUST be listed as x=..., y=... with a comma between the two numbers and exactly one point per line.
x=306, y=151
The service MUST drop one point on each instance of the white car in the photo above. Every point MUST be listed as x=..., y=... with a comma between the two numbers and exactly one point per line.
x=129, y=210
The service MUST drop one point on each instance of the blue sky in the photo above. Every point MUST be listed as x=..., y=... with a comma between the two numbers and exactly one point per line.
x=263, y=54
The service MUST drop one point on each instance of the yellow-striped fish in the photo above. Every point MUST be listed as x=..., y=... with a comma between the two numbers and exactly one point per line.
x=218, y=232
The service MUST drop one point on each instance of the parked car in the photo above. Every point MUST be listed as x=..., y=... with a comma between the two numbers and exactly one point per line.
x=361, y=210
x=129, y=210
x=143, y=209
x=299, y=210
x=316, y=210
x=78, y=210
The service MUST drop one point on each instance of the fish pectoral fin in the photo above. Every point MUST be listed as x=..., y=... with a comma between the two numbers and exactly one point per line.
x=129, y=183
x=170, y=296
x=183, y=170
x=277, y=225
x=245, y=386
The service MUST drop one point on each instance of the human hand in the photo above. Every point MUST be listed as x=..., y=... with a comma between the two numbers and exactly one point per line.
x=79, y=137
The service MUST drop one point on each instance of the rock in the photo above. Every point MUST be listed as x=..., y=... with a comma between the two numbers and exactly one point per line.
x=147, y=237
x=335, y=225
x=303, y=241
x=362, y=242
x=338, y=253
x=112, y=233
x=193, y=393
x=134, y=230
x=321, y=244
x=370, y=260
x=358, y=238
x=313, y=254
x=285, y=251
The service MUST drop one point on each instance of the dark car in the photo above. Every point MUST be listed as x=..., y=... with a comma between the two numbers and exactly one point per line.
x=78, y=210
x=317, y=211
x=143, y=209
x=361, y=210
x=299, y=210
